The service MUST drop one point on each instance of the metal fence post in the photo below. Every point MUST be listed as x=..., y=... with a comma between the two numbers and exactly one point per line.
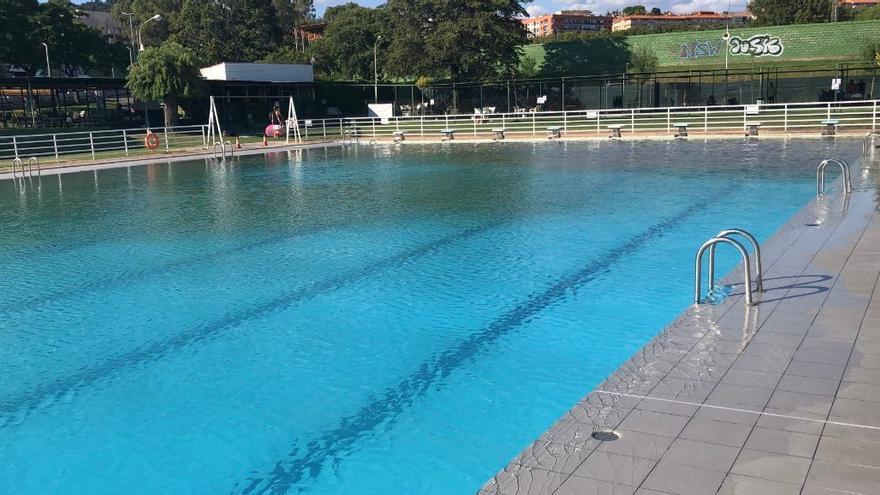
x=323, y=128
x=564, y=120
x=705, y=120
x=204, y=139
x=533, y=123
x=785, y=117
x=829, y=111
x=373, y=121
x=165, y=132
x=668, y=119
x=874, y=117
x=55, y=146
x=632, y=119
x=598, y=122
x=421, y=126
x=92, y=145
x=341, y=132
x=125, y=139
x=15, y=145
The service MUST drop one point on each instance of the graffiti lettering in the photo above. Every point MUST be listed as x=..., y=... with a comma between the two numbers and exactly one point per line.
x=760, y=45
x=700, y=49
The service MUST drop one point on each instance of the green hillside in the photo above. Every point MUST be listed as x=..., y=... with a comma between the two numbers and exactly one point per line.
x=803, y=44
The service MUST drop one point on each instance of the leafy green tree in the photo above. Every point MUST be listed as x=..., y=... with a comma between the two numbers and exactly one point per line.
x=345, y=51
x=780, y=12
x=528, y=67
x=463, y=40
x=167, y=73
x=18, y=44
x=635, y=10
x=643, y=60
x=153, y=33
x=656, y=11
x=814, y=11
x=292, y=13
x=286, y=54
x=869, y=14
x=227, y=31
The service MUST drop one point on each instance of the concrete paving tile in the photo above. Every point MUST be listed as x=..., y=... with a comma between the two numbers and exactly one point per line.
x=656, y=423
x=576, y=485
x=766, y=465
x=737, y=484
x=682, y=389
x=615, y=468
x=531, y=482
x=782, y=442
x=554, y=456
x=822, y=356
x=683, y=480
x=664, y=406
x=849, y=451
x=843, y=477
x=637, y=444
x=727, y=415
x=808, y=385
x=840, y=346
x=859, y=391
x=722, y=433
x=789, y=424
x=702, y=455
x=862, y=375
x=865, y=360
x=797, y=404
x=761, y=363
x=751, y=378
x=739, y=396
x=815, y=370
x=855, y=411
x=645, y=491
x=868, y=346
x=814, y=490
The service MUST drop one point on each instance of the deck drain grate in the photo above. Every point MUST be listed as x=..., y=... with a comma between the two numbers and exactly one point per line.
x=812, y=225
x=605, y=435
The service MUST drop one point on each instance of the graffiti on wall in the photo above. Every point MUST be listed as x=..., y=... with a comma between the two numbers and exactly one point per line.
x=760, y=45
x=700, y=49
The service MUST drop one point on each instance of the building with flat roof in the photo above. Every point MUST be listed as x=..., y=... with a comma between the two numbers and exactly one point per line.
x=566, y=21
x=103, y=22
x=702, y=18
x=259, y=72
x=858, y=5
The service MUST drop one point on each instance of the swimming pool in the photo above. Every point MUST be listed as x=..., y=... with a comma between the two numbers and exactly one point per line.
x=360, y=320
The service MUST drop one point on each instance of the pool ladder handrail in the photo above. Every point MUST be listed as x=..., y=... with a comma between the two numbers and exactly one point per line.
x=231, y=149
x=222, y=149
x=866, y=143
x=820, y=175
x=20, y=164
x=30, y=163
x=724, y=237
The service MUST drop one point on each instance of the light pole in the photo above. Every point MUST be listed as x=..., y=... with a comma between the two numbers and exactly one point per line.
x=376, y=69
x=130, y=15
x=141, y=27
x=48, y=66
x=130, y=57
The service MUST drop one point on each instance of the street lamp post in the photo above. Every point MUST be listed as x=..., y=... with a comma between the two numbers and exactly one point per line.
x=141, y=27
x=48, y=66
x=130, y=56
x=130, y=15
x=376, y=70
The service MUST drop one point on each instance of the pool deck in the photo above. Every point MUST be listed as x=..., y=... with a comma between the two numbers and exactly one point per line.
x=779, y=398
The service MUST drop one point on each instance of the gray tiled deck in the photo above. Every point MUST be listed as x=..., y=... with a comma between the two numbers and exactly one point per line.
x=779, y=398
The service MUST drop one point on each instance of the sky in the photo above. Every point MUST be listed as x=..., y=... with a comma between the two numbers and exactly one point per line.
x=599, y=6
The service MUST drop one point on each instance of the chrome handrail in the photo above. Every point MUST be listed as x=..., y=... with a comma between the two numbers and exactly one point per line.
x=756, y=247
x=33, y=160
x=820, y=175
x=231, y=149
x=866, y=143
x=222, y=149
x=698, y=268
x=20, y=164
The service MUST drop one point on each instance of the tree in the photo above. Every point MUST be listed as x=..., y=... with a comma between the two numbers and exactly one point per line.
x=18, y=44
x=656, y=11
x=463, y=40
x=153, y=32
x=643, y=60
x=528, y=67
x=346, y=49
x=869, y=14
x=292, y=13
x=167, y=73
x=779, y=12
x=635, y=10
x=227, y=31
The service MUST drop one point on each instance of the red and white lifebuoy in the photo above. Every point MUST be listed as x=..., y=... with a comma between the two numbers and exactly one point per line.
x=151, y=141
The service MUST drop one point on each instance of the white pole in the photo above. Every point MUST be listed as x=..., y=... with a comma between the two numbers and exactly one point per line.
x=48, y=66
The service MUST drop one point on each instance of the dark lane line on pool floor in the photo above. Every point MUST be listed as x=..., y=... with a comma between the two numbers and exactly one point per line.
x=383, y=409
x=26, y=402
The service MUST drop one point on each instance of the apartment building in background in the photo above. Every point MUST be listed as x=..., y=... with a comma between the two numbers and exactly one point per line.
x=566, y=21
x=627, y=22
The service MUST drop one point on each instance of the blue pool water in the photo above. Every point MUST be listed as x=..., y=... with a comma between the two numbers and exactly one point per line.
x=372, y=320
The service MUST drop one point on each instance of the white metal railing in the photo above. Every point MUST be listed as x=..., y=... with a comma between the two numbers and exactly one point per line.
x=96, y=145
x=789, y=117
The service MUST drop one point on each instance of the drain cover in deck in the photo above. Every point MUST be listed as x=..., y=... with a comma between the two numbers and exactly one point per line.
x=605, y=435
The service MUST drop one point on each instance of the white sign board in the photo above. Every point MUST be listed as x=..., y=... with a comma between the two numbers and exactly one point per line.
x=753, y=110
x=592, y=114
x=835, y=84
x=542, y=100
x=382, y=110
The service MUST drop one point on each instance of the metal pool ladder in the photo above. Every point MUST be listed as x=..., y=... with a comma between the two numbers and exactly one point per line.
x=26, y=171
x=725, y=237
x=820, y=175
x=20, y=164
x=868, y=141
x=31, y=162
